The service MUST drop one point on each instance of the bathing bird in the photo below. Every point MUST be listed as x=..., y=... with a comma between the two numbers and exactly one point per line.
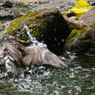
x=11, y=54
x=14, y=55
x=38, y=53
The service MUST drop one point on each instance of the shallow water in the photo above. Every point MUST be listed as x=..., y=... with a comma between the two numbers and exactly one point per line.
x=77, y=79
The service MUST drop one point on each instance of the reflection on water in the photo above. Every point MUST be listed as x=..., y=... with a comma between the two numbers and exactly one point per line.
x=77, y=79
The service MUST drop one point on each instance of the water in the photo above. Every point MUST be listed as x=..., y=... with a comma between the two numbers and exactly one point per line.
x=77, y=79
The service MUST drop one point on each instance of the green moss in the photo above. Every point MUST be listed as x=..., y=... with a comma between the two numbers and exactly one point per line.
x=25, y=20
x=35, y=21
x=80, y=32
x=86, y=32
x=73, y=34
x=91, y=41
x=36, y=32
x=92, y=26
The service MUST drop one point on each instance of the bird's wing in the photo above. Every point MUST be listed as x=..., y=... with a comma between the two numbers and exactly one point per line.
x=33, y=56
x=14, y=52
x=51, y=59
x=2, y=50
x=27, y=60
x=2, y=54
x=41, y=55
x=11, y=67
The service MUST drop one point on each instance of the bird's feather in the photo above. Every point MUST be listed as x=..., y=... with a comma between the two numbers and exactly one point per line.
x=13, y=51
x=41, y=55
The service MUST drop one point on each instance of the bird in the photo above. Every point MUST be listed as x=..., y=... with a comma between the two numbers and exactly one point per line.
x=38, y=53
x=11, y=53
x=14, y=55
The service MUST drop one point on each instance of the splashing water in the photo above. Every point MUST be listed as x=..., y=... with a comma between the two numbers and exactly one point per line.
x=75, y=80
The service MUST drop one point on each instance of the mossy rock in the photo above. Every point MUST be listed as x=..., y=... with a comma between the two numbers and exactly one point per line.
x=82, y=37
x=81, y=42
x=48, y=26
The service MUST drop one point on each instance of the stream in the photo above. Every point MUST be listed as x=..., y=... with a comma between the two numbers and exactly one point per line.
x=77, y=79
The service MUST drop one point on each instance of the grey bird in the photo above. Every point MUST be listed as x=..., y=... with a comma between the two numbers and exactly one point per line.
x=38, y=53
x=13, y=55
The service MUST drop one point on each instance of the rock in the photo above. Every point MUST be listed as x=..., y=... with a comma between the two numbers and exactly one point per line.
x=62, y=5
x=88, y=18
x=9, y=11
x=24, y=1
x=82, y=40
x=6, y=13
x=15, y=8
x=46, y=25
x=46, y=4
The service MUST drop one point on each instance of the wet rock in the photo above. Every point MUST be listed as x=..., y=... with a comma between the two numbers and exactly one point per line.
x=92, y=2
x=7, y=4
x=46, y=4
x=10, y=11
x=82, y=40
x=88, y=18
x=46, y=25
x=62, y=5
x=24, y=1
x=5, y=13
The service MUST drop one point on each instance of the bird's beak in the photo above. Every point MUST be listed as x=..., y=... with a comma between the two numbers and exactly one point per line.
x=23, y=41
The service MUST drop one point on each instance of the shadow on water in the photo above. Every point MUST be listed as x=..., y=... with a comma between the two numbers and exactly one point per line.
x=77, y=79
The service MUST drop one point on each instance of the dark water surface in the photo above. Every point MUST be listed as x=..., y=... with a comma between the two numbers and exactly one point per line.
x=77, y=79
